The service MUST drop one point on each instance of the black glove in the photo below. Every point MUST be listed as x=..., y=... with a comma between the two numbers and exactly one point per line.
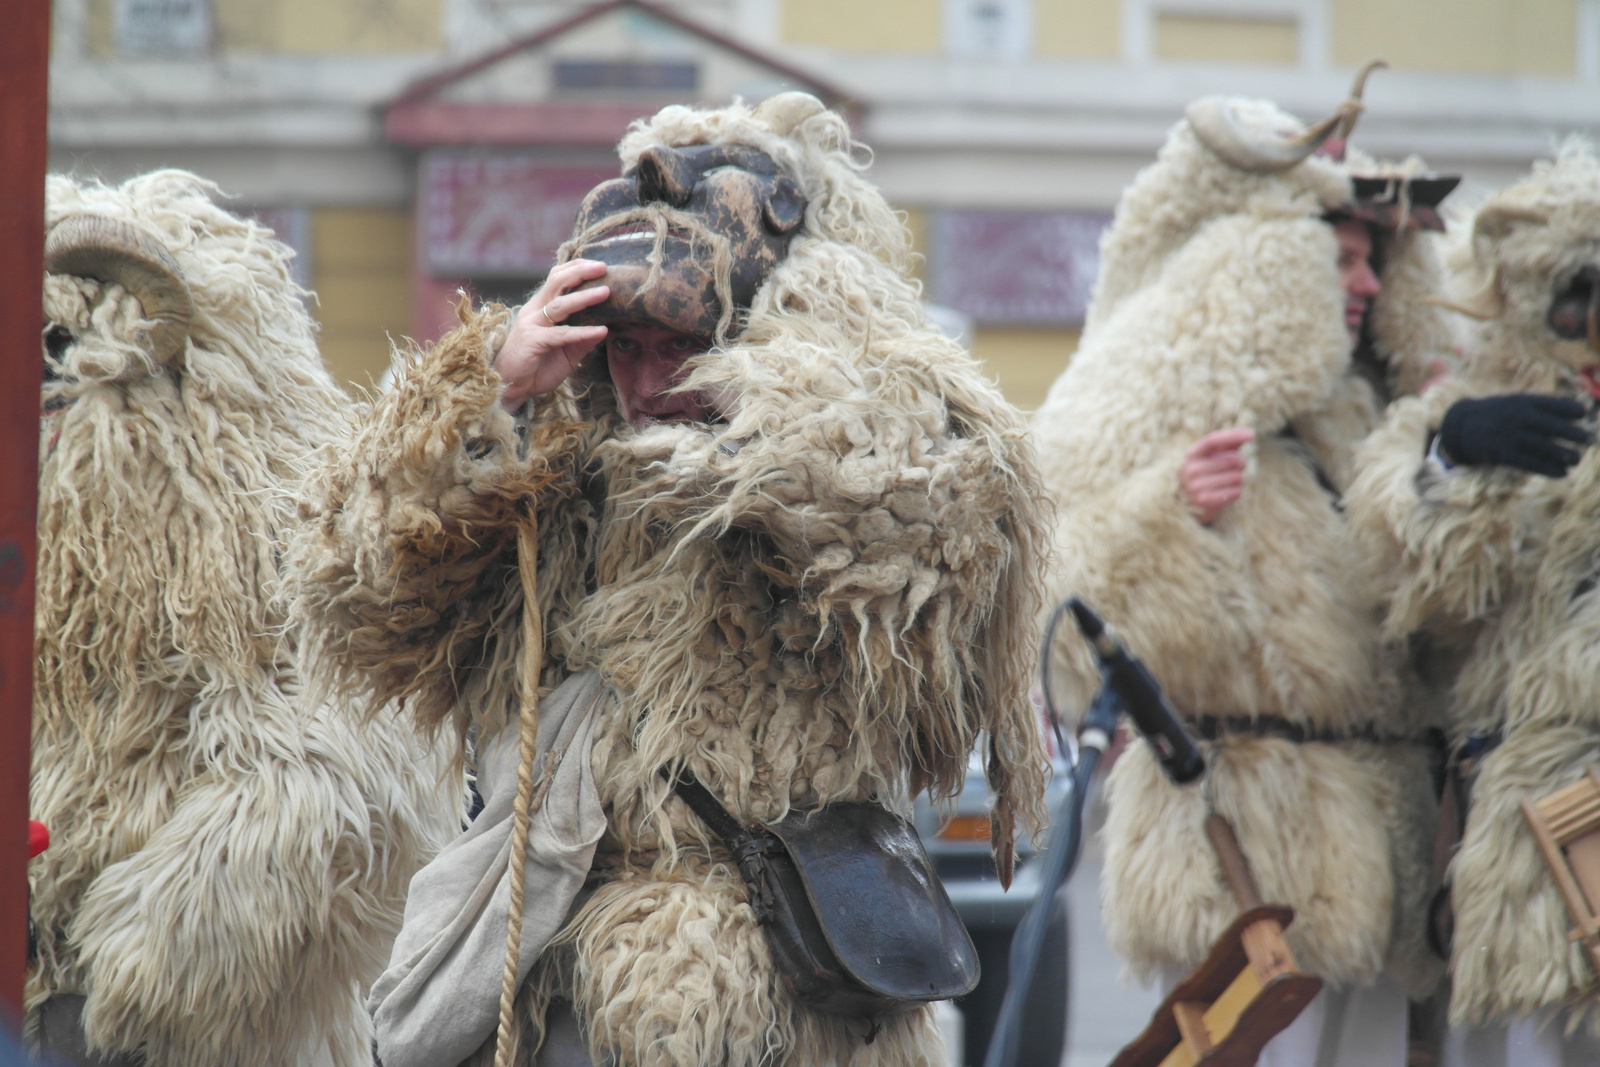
x=1522, y=430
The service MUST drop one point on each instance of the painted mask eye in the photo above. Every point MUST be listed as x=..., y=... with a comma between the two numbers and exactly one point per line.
x=57, y=339
x=1570, y=311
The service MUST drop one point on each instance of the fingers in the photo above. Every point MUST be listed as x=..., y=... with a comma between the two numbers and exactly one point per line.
x=1552, y=426
x=556, y=310
x=1562, y=407
x=1212, y=474
x=1220, y=441
x=565, y=277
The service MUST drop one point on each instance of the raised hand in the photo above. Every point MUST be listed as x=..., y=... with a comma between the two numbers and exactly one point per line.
x=1528, y=431
x=540, y=353
x=1212, y=475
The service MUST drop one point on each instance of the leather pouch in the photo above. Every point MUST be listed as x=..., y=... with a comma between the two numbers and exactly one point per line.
x=856, y=918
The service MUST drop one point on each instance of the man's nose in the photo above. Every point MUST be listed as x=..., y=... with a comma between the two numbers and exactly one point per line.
x=659, y=370
x=1366, y=284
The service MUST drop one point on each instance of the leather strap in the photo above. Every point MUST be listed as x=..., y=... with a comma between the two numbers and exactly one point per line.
x=749, y=848
x=1217, y=727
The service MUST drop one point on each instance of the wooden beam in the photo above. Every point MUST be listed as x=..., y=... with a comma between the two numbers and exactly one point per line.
x=24, y=62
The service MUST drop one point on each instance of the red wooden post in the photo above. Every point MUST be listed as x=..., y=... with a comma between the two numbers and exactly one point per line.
x=24, y=60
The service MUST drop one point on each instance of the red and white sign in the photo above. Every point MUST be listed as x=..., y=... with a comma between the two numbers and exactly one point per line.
x=1024, y=268
x=485, y=213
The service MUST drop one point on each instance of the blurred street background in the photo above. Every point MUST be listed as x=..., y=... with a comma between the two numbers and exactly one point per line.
x=407, y=148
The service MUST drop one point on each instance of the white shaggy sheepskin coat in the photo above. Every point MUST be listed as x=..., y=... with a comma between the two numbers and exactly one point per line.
x=1219, y=306
x=228, y=860
x=1504, y=564
x=825, y=598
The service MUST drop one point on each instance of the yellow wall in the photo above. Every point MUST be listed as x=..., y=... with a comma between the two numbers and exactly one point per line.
x=361, y=271
x=1474, y=36
x=1026, y=362
x=1216, y=39
x=1077, y=29
x=916, y=221
x=307, y=26
x=865, y=25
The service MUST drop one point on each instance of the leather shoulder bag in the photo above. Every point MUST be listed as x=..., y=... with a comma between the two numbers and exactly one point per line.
x=858, y=922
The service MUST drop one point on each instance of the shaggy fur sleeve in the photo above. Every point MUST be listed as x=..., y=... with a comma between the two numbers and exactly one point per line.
x=406, y=558
x=272, y=887
x=1448, y=539
x=1242, y=328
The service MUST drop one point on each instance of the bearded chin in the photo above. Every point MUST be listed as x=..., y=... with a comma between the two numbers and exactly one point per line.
x=153, y=557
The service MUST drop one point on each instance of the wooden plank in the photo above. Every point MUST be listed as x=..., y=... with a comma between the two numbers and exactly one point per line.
x=1577, y=905
x=24, y=58
x=1191, y=1018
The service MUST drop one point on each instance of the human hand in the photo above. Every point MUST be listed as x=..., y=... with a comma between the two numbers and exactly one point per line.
x=1212, y=475
x=539, y=353
x=1521, y=430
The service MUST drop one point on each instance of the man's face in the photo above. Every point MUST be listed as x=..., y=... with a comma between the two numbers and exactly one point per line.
x=647, y=361
x=1356, y=276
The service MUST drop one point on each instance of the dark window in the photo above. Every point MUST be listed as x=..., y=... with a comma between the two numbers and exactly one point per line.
x=646, y=75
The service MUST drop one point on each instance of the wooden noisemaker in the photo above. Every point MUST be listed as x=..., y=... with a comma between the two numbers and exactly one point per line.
x=1247, y=989
x=1566, y=824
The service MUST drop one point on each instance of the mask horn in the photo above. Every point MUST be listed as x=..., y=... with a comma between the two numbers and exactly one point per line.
x=115, y=252
x=1357, y=88
x=1219, y=129
x=1487, y=303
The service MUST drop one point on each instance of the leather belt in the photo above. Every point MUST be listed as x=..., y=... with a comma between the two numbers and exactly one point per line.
x=1218, y=727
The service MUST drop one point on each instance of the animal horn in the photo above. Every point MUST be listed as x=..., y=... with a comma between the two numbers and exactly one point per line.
x=112, y=251
x=1495, y=219
x=783, y=112
x=1357, y=88
x=1214, y=122
x=1487, y=303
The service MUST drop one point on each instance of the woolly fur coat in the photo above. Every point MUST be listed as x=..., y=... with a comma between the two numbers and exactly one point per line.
x=1502, y=564
x=1219, y=306
x=228, y=860
x=825, y=598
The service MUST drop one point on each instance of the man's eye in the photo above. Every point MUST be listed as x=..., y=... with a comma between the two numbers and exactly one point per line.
x=623, y=344
x=682, y=344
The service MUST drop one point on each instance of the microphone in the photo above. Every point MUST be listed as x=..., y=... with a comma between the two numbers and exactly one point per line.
x=1179, y=755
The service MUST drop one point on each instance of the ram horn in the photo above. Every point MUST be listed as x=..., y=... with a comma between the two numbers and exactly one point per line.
x=783, y=112
x=1495, y=220
x=112, y=251
x=1214, y=122
x=1357, y=88
x=1487, y=303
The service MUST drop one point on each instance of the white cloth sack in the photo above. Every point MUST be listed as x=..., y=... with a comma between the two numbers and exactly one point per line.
x=440, y=998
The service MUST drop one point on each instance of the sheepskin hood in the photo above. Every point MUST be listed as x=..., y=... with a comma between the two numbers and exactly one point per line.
x=1191, y=190
x=1526, y=247
x=844, y=398
x=186, y=451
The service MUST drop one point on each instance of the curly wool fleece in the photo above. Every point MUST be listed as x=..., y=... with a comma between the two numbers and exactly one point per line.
x=1503, y=564
x=1219, y=306
x=828, y=597
x=228, y=860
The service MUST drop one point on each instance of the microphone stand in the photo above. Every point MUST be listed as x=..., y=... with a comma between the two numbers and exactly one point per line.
x=1061, y=853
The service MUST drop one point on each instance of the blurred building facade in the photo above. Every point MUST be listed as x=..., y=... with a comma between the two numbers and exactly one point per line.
x=405, y=147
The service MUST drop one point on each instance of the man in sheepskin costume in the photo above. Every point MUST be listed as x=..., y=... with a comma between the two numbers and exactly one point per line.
x=228, y=860
x=1252, y=317
x=1497, y=548
x=786, y=541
